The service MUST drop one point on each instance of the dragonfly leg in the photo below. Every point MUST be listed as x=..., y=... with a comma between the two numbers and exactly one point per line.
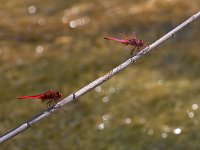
x=49, y=103
x=55, y=101
x=138, y=49
x=132, y=51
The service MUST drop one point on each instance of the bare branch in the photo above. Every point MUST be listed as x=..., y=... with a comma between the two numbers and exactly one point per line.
x=95, y=83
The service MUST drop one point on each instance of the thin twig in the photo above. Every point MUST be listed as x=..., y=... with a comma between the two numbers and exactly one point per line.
x=95, y=83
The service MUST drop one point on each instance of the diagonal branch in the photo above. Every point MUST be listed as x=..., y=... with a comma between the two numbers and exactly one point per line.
x=95, y=83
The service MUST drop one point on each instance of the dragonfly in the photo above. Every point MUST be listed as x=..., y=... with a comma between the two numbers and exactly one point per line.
x=133, y=41
x=48, y=96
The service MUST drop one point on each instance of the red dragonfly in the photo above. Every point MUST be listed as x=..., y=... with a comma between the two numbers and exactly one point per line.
x=49, y=96
x=136, y=43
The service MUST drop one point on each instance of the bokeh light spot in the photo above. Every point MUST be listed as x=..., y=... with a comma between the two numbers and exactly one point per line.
x=32, y=9
x=177, y=131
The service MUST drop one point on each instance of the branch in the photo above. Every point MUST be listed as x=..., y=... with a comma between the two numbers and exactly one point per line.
x=95, y=83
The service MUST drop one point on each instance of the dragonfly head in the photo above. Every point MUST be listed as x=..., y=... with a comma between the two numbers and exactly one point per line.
x=58, y=94
x=141, y=43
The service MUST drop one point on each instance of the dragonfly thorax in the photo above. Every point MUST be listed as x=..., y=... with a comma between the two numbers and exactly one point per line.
x=136, y=42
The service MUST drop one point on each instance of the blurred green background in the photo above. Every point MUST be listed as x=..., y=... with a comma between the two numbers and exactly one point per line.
x=153, y=104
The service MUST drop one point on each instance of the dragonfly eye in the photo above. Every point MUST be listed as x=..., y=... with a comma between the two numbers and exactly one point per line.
x=59, y=94
x=141, y=42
